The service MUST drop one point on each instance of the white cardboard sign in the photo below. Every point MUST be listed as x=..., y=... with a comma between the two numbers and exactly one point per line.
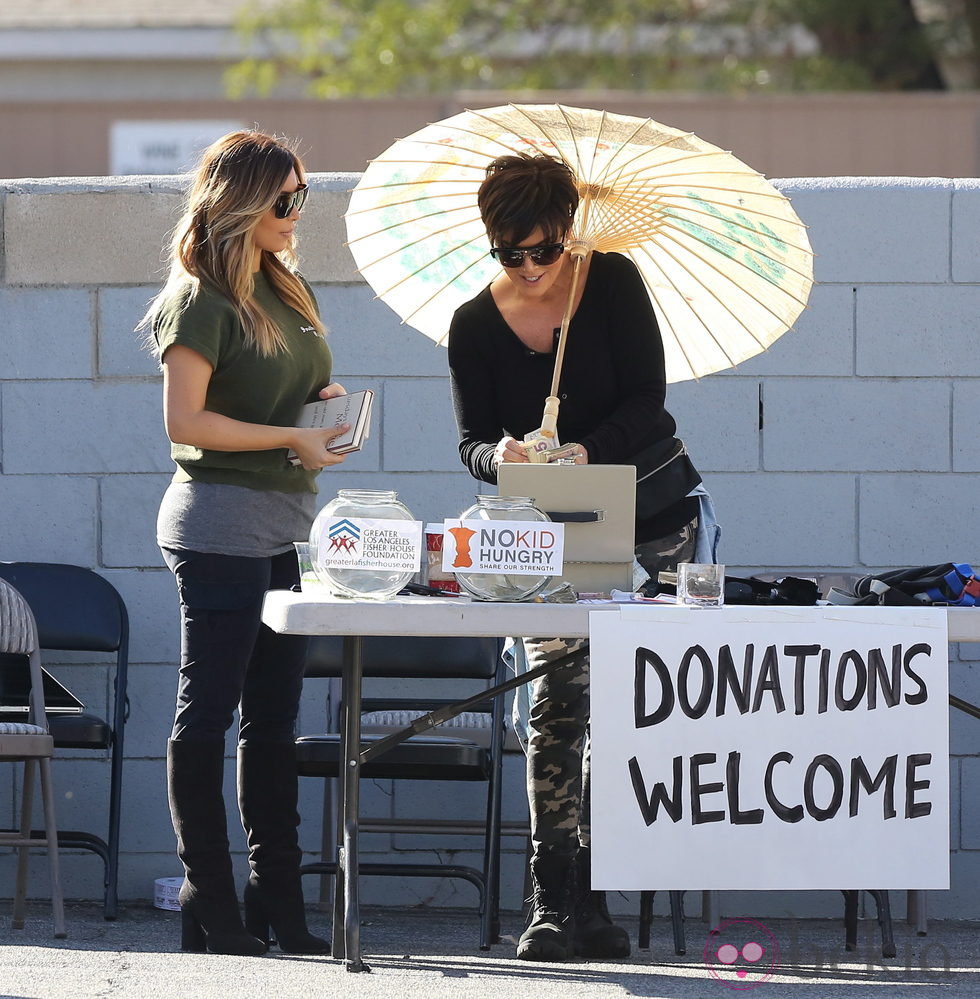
x=514, y=547
x=367, y=543
x=769, y=748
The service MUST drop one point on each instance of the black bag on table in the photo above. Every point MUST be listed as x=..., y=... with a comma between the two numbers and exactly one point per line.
x=950, y=584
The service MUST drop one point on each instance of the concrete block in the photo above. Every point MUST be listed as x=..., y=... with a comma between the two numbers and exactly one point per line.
x=915, y=519
x=121, y=349
x=718, y=419
x=839, y=425
x=964, y=682
x=961, y=901
x=419, y=426
x=46, y=333
x=84, y=427
x=146, y=826
x=48, y=518
x=322, y=248
x=313, y=706
x=152, y=692
x=861, y=228
x=968, y=651
x=128, y=513
x=786, y=520
x=81, y=799
x=50, y=238
x=966, y=230
x=918, y=331
x=150, y=596
x=955, y=803
x=367, y=338
x=459, y=800
x=966, y=440
x=430, y=496
x=514, y=791
x=820, y=343
x=81, y=879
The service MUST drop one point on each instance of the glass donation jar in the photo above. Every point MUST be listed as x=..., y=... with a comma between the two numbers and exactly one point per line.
x=352, y=504
x=500, y=586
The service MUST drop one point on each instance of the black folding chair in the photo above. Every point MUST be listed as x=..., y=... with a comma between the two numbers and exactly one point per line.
x=76, y=609
x=455, y=755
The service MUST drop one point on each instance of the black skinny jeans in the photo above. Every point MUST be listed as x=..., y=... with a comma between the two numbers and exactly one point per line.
x=228, y=658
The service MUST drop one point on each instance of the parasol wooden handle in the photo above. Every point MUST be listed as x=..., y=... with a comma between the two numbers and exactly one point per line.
x=549, y=422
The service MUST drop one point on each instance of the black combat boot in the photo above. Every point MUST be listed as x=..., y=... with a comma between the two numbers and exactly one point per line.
x=549, y=935
x=209, y=915
x=595, y=933
x=267, y=793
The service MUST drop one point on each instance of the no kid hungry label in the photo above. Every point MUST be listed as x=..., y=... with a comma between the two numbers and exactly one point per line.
x=503, y=546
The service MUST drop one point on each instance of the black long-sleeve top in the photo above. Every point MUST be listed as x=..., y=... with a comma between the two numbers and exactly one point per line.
x=612, y=386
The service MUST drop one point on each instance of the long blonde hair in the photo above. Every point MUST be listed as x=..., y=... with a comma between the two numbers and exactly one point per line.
x=237, y=182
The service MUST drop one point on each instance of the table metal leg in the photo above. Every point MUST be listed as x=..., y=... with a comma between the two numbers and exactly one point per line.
x=711, y=908
x=918, y=915
x=347, y=916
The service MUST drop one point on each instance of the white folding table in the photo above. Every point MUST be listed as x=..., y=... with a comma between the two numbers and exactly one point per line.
x=315, y=614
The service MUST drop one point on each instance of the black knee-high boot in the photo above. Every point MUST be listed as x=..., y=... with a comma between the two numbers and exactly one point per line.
x=210, y=917
x=267, y=795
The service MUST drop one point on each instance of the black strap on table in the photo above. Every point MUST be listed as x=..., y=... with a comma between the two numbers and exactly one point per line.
x=433, y=718
x=577, y=517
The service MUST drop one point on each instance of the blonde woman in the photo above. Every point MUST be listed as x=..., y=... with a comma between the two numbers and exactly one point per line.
x=242, y=348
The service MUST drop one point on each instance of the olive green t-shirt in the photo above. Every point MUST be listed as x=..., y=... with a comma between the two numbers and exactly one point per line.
x=245, y=385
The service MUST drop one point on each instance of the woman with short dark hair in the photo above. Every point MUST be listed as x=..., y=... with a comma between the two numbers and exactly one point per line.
x=612, y=390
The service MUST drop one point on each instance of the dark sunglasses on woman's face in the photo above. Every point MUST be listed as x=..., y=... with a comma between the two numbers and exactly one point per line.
x=283, y=206
x=513, y=256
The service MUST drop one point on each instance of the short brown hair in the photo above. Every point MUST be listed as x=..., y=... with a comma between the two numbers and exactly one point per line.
x=522, y=192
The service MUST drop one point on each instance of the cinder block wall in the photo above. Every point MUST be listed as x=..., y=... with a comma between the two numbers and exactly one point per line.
x=850, y=445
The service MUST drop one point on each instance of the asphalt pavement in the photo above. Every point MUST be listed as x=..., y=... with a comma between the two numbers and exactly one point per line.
x=433, y=954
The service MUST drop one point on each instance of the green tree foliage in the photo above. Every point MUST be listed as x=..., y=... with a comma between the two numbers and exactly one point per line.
x=377, y=47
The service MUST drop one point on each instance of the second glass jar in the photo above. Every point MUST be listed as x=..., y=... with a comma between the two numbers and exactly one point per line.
x=503, y=586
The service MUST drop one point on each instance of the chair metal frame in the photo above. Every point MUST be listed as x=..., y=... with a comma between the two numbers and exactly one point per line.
x=29, y=743
x=77, y=609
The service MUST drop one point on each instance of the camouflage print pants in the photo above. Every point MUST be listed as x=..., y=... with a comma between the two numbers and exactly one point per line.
x=558, y=722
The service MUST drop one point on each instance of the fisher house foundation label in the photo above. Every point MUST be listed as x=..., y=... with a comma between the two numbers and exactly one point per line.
x=364, y=543
x=503, y=546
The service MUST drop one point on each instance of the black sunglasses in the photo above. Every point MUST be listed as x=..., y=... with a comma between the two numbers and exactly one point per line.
x=513, y=256
x=283, y=206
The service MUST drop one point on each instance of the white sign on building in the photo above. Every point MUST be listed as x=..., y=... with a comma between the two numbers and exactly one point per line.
x=161, y=147
x=770, y=748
